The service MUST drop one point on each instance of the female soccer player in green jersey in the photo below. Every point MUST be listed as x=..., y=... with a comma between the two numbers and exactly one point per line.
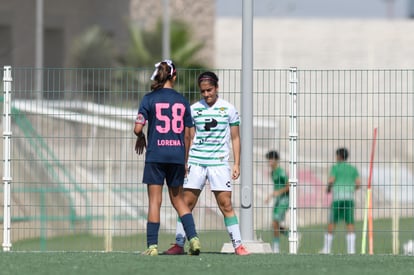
x=281, y=195
x=216, y=124
x=343, y=181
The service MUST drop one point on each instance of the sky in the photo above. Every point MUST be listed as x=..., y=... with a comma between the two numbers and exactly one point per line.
x=370, y=9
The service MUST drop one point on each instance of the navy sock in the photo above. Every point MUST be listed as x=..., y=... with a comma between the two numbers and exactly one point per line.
x=189, y=226
x=152, y=233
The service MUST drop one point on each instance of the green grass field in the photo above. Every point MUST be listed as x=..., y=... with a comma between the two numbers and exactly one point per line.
x=81, y=254
x=91, y=263
x=212, y=241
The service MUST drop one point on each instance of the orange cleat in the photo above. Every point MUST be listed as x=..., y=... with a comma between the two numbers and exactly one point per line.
x=241, y=251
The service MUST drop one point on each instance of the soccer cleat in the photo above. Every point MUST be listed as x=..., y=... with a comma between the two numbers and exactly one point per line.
x=195, y=246
x=152, y=250
x=241, y=251
x=175, y=250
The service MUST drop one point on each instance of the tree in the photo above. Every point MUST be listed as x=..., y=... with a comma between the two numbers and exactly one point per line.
x=94, y=52
x=145, y=48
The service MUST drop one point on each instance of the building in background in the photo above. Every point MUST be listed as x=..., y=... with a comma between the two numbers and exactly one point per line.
x=318, y=43
x=200, y=16
x=65, y=20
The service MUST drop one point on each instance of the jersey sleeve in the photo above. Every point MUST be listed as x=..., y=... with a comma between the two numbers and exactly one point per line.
x=332, y=171
x=143, y=111
x=356, y=173
x=234, y=118
x=188, y=118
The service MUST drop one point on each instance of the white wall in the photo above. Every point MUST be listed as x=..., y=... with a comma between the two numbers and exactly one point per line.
x=318, y=43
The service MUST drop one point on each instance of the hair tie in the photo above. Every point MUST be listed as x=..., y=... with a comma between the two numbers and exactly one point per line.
x=169, y=63
x=208, y=78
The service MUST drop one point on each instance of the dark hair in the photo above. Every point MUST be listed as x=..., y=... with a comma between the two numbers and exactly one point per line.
x=272, y=155
x=210, y=77
x=164, y=71
x=342, y=153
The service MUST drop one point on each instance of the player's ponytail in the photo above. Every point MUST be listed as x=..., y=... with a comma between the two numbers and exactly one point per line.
x=164, y=70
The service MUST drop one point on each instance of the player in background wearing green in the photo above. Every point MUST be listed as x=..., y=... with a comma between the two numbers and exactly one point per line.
x=281, y=196
x=343, y=181
x=216, y=124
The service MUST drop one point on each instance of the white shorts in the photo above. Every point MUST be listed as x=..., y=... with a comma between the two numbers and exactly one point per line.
x=218, y=176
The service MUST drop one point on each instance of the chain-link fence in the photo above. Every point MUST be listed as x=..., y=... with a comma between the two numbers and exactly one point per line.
x=76, y=180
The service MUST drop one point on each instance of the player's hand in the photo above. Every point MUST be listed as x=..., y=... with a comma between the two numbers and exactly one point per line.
x=187, y=169
x=277, y=193
x=329, y=188
x=140, y=144
x=235, y=173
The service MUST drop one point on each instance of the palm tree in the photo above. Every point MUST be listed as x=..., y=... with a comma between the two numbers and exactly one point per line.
x=145, y=49
x=95, y=53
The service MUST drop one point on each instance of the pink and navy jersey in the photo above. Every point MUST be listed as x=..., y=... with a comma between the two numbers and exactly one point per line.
x=167, y=113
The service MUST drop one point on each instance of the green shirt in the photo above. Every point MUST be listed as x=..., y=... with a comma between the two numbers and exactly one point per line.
x=344, y=186
x=280, y=179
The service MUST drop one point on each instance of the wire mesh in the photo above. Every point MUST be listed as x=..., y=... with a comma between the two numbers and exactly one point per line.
x=77, y=180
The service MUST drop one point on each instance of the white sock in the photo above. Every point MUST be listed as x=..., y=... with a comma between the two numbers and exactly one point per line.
x=233, y=229
x=180, y=233
x=350, y=240
x=327, y=243
x=276, y=246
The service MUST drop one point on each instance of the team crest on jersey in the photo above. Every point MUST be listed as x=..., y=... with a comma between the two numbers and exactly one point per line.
x=222, y=111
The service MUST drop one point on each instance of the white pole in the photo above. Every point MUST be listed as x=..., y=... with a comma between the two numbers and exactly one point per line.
x=7, y=83
x=166, y=44
x=293, y=181
x=39, y=49
x=246, y=211
x=108, y=205
x=396, y=214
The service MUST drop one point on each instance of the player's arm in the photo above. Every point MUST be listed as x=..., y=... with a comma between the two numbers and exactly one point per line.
x=283, y=190
x=188, y=140
x=357, y=183
x=141, y=142
x=287, y=187
x=235, y=142
x=278, y=192
x=331, y=181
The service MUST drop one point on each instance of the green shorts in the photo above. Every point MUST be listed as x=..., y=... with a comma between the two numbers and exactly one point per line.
x=342, y=210
x=280, y=208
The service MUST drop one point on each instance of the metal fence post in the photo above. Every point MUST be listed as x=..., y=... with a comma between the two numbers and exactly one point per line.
x=7, y=81
x=293, y=135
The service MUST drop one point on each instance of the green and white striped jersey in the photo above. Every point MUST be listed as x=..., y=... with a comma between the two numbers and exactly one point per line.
x=211, y=144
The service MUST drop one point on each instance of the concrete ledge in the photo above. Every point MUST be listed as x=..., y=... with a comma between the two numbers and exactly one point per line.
x=254, y=247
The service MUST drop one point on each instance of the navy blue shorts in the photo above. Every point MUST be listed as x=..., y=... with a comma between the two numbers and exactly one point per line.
x=156, y=173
